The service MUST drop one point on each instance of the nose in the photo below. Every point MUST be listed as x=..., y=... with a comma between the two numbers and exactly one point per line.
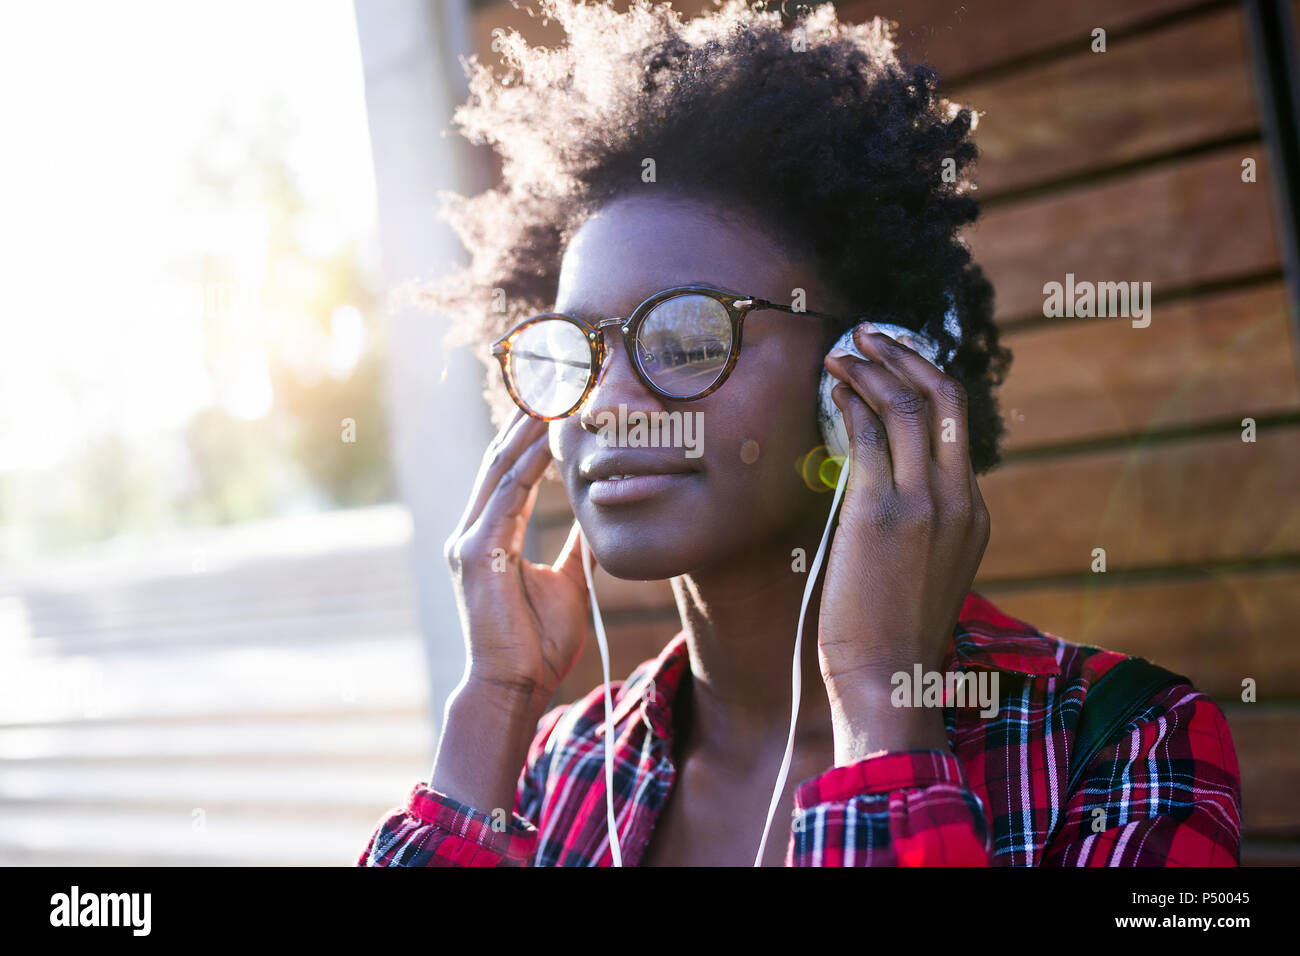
x=616, y=381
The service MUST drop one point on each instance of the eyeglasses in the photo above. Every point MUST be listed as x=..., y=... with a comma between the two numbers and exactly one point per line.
x=682, y=343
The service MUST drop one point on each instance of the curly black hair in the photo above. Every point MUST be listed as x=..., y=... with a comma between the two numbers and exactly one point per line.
x=816, y=128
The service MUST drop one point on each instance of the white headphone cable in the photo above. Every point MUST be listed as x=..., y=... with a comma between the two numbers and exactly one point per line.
x=797, y=676
x=609, y=707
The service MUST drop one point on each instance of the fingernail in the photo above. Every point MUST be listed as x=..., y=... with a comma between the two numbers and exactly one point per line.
x=866, y=326
x=839, y=351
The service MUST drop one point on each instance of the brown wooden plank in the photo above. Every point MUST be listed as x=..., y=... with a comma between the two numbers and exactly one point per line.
x=1216, y=627
x=1264, y=853
x=505, y=15
x=955, y=37
x=1265, y=739
x=552, y=507
x=1178, y=503
x=1178, y=224
x=488, y=18
x=1160, y=92
x=959, y=38
x=1212, y=358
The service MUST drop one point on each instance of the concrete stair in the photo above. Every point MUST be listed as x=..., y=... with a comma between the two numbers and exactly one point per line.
x=262, y=703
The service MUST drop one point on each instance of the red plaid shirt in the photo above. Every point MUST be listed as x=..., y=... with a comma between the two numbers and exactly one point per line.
x=1168, y=789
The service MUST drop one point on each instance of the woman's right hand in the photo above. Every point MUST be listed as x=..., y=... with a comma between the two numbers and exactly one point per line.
x=524, y=623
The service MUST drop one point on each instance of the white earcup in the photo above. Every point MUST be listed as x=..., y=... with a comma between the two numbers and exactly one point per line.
x=832, y=421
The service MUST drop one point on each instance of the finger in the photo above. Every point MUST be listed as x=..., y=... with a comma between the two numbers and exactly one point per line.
x=490, y=454
x=901, y=408
x=504, y=518
x=868, y=440
x=501, y=454
x=945, y=396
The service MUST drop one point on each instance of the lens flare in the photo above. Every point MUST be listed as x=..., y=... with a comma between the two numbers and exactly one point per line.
x=819, y=469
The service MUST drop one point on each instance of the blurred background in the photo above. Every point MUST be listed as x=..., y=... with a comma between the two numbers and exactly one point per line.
x=228, y=459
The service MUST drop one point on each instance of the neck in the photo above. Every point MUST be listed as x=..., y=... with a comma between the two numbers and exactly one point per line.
x=740, y=631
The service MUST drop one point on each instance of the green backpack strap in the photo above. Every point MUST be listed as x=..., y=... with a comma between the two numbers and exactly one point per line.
x=1116, y=697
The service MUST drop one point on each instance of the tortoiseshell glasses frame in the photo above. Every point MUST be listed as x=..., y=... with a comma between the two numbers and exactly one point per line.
x=737, y=307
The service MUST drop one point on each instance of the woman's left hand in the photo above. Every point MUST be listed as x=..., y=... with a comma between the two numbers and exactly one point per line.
x=911, y=533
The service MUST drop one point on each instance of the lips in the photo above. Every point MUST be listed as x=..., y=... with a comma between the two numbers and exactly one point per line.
x=629, y=477
x=626, y=464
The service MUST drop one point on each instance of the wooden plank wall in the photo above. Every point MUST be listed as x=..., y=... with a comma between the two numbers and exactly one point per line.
x=1115, y=166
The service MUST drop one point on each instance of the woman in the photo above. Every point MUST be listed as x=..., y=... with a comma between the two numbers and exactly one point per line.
x=740, y=165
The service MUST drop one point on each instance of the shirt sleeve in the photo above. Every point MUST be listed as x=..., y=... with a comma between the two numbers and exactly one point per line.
x=892, y=808
x=1166, y=793
x=432, y=829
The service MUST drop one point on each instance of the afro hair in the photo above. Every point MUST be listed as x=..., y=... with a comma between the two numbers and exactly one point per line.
x=818, y=129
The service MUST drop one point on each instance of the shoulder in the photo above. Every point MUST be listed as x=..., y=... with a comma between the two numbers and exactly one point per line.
x=1069, y=672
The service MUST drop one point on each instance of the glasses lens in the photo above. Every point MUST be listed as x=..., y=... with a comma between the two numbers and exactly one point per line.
x=550, y=364
x=684, y=343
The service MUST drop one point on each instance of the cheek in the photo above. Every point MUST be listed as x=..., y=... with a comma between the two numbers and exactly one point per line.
x=761, y=442
x=773, y=444
x=762, y=479
x=565, y=439
x=780, y=416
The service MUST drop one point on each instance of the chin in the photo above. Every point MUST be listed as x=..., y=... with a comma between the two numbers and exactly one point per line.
x=629, y=553
x=631, y=565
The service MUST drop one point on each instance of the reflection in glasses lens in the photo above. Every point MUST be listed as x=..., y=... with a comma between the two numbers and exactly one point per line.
x=550, y=363
x=684, y=343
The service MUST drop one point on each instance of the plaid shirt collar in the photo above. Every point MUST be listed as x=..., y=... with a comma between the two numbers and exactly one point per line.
x=983, y=638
